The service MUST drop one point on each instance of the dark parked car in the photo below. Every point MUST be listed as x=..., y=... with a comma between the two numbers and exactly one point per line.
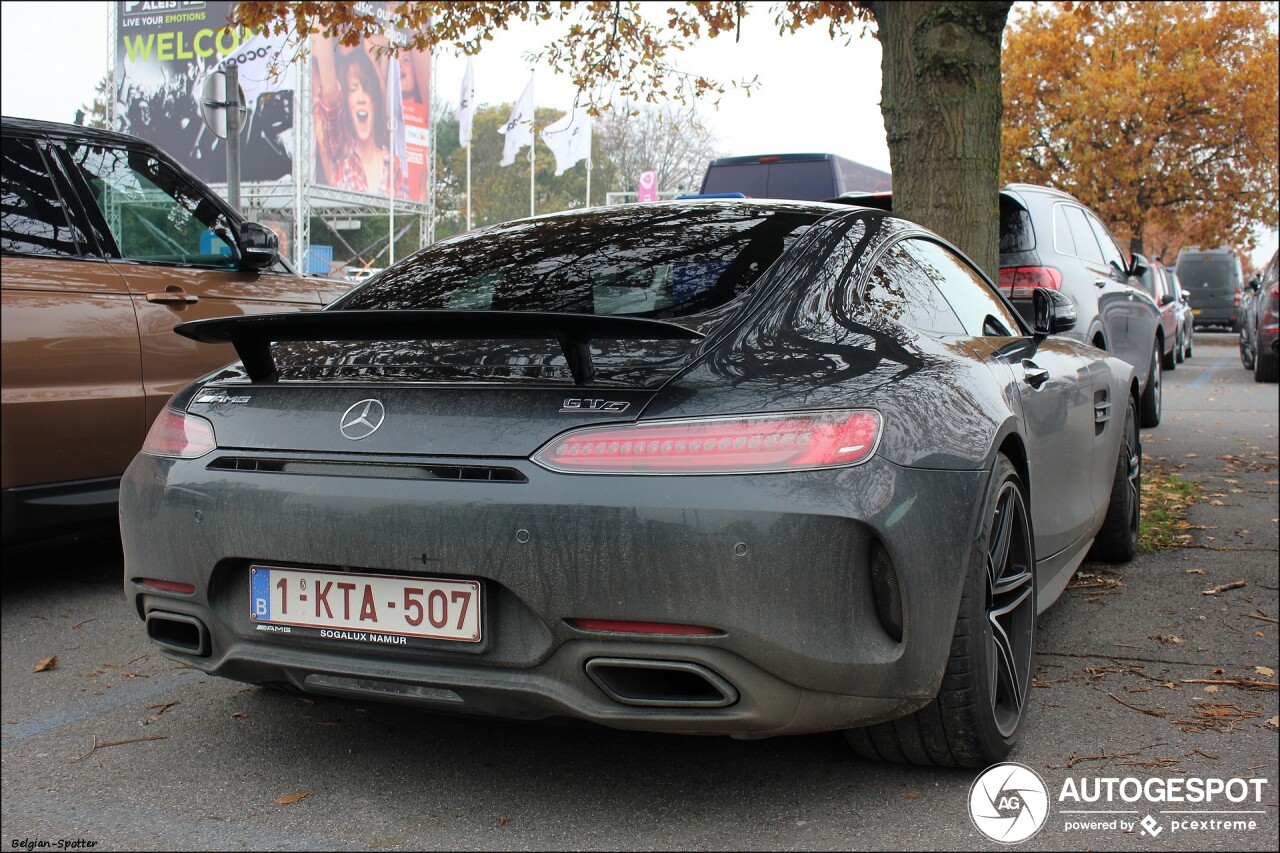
x=1214, y=282
x=1259, y=324
x=1186, y=316
x=106, y=244
x=804, y=177
x=746, y=468
x=1156, y=283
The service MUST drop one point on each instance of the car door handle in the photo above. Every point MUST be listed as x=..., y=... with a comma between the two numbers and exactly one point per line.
x=1034, y=374
x=1100, y=282
x=174, y=296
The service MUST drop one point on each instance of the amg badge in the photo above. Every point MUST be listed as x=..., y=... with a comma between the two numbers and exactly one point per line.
x=586, y=404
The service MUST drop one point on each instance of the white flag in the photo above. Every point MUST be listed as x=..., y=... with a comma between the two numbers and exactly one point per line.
x=395, y=118
x=466, y=106
x=569, y=139
x=261, y=56
x=519, y=128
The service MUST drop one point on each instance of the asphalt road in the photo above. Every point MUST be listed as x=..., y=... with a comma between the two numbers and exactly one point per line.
x=183, y=761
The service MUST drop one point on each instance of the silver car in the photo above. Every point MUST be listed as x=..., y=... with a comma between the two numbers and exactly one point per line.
x=1049, y=239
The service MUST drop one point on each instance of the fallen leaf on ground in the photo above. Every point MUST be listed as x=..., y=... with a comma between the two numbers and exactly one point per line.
x=912, y=796
x=1212, y=688
x=238, y=715
x=46, y=664
x=1274, y=722
x=1194, y=571
x=1168, y=639
x=290, y=799
x=1224, y=587
x=1264, y=670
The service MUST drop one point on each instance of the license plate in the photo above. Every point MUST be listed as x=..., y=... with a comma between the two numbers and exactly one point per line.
x=368, y=608
x=1195, y=311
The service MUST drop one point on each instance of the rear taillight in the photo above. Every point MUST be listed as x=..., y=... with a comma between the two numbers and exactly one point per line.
x=733, y=445
x=1019, y=282
x=180, y=435
x=1237, y=295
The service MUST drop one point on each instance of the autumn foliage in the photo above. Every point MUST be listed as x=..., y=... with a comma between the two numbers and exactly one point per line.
x=1160, y=116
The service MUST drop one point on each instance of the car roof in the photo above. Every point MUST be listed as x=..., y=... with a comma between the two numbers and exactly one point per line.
x=772, y=158
x=61, y=130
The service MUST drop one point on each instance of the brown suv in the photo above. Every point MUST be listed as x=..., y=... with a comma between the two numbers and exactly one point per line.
x=105, y=244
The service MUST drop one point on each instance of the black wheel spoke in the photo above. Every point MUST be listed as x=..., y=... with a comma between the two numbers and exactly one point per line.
x=999, y=549
x=1008, y=673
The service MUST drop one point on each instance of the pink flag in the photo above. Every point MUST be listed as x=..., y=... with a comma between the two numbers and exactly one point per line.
x=648, y=189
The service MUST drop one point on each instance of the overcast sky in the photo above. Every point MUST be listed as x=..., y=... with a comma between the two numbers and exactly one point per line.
x=815, y=94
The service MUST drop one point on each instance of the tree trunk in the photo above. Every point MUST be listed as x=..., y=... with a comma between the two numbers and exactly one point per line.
x=942, y=106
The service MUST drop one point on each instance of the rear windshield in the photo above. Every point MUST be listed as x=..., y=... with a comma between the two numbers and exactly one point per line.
x=1215, y=271
x=1016, y=234
x=656, y=261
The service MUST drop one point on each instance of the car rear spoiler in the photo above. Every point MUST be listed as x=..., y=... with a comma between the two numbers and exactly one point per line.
x=253, y=335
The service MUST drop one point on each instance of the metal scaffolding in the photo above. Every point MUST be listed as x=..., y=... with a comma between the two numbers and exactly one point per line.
x=297, y=199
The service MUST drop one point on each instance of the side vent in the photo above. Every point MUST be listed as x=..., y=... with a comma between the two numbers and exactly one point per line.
x=885, y=591
x=1101, y=410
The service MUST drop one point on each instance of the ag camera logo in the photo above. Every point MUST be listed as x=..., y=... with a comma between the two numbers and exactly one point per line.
x=1009, y=803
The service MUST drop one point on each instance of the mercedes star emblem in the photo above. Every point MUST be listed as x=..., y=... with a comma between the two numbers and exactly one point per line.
x=363, y=419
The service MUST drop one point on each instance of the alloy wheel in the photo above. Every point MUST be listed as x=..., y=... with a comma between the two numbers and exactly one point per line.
x=1011, y=609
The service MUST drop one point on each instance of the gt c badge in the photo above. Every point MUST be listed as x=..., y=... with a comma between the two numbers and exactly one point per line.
x=585, y=404
x=362, y=420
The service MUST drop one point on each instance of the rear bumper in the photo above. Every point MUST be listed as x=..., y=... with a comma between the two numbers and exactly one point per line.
x=777, y=564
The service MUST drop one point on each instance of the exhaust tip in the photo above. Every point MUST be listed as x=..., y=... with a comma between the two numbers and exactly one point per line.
x=177, y=632
x=657, y=683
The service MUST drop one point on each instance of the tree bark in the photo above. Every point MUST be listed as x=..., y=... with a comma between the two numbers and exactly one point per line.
x=942, y=107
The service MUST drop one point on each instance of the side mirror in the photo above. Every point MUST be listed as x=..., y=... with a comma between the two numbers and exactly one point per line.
x=259, y=246
x=1166, y=299
x=1054, y=312
x=1138, y=265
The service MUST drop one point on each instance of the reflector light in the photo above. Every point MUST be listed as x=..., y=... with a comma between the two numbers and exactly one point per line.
x=616, y=626
x=179, y=434
x=1018, y=282
x=726, y=445
x=168, y=586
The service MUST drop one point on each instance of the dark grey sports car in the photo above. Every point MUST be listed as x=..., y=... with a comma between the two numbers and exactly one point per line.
x=745, y=468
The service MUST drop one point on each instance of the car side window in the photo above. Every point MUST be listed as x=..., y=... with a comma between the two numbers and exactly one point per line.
x=153, y=214
x=981, y=311
x=1063, y=241
x=898, y=288
x=1086, y=243
x=1110, y=249
x=33, y=218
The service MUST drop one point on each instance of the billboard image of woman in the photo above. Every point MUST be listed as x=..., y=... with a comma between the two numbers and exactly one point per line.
x=353, y=149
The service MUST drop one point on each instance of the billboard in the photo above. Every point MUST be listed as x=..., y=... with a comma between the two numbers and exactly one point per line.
x=165, y=49
x=356, y=93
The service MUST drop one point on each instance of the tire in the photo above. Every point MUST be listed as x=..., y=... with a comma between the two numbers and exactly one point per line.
x=1246, y=355
x=1190, y=339
x=1168, y=360
x=1152, y=402
x=1267, y=367
x=976, y=718
x=1180, y=349
x=1117, y=541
